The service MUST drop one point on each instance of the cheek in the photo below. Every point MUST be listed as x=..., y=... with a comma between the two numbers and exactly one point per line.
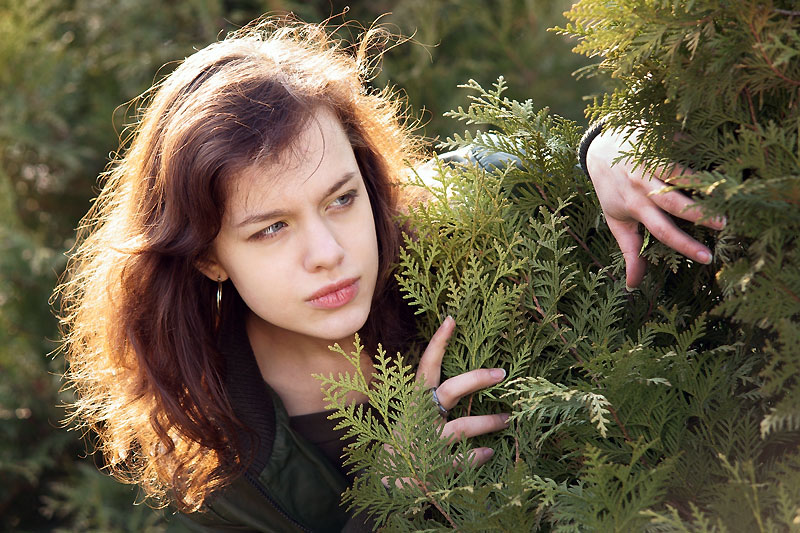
x=369, y=241
x=259, y=280
x=266, y=291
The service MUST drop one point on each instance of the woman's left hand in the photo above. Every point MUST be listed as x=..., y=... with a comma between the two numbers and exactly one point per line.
x=450, y=391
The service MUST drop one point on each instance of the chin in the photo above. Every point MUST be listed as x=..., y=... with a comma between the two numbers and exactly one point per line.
x=342, y=328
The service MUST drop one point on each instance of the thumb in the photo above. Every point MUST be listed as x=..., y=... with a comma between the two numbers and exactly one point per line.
x=630, y=244
x=429, y=369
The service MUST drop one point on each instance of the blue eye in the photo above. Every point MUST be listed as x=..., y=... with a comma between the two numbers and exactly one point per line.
x=344, y=200
x=270, y=231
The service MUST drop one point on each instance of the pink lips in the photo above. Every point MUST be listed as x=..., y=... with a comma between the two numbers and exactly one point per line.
x=335, y=295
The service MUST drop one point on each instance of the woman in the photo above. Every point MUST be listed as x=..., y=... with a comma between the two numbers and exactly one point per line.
x=248, y=226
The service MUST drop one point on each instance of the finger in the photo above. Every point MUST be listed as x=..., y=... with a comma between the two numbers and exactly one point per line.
x=675, y=175
x=455, y=388
x=430, y=364
x=471, y=426
x=402, y=483
x=680, y=205
x=665, y=230
x=476, y=456
x=635, y=268
x=676, y=203
x=630, y=243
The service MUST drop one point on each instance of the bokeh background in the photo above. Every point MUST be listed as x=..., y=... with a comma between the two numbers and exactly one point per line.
x=67, y=70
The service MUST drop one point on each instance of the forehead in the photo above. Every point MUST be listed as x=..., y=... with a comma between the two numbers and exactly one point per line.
x=320, y=153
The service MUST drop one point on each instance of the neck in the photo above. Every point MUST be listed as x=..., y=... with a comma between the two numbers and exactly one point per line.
x=288, y=362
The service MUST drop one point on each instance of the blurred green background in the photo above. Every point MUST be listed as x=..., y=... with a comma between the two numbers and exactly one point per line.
x=67, y=69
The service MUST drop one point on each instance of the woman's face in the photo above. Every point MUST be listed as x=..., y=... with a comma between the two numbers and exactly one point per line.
x=298, y=238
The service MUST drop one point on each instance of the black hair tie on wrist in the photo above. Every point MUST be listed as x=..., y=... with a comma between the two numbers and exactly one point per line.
x=583, y=148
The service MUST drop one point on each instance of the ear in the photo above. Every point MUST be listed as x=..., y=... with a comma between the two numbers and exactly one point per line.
x=211, y=268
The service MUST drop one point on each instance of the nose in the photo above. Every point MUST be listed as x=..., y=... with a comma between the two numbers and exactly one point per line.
x=322, y=250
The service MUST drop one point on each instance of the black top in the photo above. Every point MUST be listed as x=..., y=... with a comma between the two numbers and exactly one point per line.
x=251, y=398
x=319, y=431
x=254, y=406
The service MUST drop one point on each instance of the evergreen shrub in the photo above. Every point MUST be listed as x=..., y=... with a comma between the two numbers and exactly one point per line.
x=672, y=408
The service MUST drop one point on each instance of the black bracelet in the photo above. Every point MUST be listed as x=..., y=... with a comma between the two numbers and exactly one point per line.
x=586, y=140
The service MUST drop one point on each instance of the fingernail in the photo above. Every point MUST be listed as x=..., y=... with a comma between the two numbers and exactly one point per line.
x=628, y=288
x=489, y=452
x=498, y=373
x=722, y=222
x=504, y=417
x=704, y=257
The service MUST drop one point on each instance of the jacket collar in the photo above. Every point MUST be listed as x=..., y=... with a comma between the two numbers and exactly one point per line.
x=250, y=396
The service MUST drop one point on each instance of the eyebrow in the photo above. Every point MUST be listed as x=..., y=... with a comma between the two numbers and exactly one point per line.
x=278, y=213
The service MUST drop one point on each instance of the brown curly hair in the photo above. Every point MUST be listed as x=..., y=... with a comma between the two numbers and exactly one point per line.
x=138, y=317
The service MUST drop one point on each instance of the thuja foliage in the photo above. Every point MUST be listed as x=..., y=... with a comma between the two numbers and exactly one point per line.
x=715, y=86
x=630, y=411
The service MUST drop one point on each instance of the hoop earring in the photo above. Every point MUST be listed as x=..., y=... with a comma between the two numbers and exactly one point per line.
x=219, y=297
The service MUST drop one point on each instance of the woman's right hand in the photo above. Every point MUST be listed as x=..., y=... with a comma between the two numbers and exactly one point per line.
x=629, y=197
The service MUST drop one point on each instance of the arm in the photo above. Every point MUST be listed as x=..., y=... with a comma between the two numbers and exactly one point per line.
x=628, y=197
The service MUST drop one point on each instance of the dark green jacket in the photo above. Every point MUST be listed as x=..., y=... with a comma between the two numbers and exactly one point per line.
x=289, y=486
